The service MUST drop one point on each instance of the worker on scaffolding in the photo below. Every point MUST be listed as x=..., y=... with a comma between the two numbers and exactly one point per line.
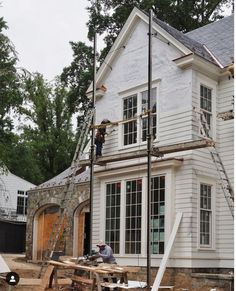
x=100, y=137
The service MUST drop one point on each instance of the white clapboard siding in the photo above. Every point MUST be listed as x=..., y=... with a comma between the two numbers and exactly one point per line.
x=225, y=146
x=12, y=184
x=178, y=91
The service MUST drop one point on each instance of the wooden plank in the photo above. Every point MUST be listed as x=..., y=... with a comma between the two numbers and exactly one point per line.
x=185, y=146
x=46, y=276
x=80, y=279
x=164, y=260
x=81, y=234
x=157, y=151
x=29, y=282
x=35, y=282
x=110, y=285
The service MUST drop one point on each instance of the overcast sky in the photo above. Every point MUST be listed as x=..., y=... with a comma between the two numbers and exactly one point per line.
x=41, y=31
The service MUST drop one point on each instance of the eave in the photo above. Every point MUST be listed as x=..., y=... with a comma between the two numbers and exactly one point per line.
x=198, y=63
x=119, y=171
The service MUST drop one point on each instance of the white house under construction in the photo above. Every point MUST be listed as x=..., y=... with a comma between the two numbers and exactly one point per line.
x=192, y=150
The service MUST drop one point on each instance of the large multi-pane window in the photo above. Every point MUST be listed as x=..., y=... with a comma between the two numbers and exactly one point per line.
x=158, y=214
x=128, y=238
x=112, y=232
x=135, y=107
x=205, y=215
x=21, y=202
x=133, y=216
x=206, y=108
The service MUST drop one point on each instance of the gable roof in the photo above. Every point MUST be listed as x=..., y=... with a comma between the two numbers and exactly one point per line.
x=186, y=43
x=218, y=37
x=195, y=46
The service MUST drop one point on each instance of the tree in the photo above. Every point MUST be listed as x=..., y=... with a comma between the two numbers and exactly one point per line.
x=77, y=78
x=47, y=139
x=10, y=97
x=109, y=16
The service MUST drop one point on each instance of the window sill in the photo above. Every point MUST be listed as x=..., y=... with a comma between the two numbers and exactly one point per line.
x=205, y=248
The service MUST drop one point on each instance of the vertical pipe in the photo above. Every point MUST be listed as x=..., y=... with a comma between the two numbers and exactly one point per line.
x=92, y=141
x=149, y=140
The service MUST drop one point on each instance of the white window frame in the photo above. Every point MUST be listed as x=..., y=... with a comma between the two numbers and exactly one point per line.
x=24, y=195
x=129, y=93
x=169, y=204
x=110, y=183
x=212, y=85
x=212, y=183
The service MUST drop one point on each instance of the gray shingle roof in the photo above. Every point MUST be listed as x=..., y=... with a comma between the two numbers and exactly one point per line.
x=61, y=179
x=218, y=37
x=195, y=46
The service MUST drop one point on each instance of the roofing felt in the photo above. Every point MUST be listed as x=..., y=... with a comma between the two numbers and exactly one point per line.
x=61, y=179
x=195, y=46
x=218, y=37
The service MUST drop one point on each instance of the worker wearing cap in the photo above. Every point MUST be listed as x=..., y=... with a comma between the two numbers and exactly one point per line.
x=106, y=253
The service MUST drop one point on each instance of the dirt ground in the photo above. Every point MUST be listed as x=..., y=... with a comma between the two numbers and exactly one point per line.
x=17, y=263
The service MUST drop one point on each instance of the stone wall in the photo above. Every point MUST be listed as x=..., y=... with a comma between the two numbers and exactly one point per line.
x=40, y=198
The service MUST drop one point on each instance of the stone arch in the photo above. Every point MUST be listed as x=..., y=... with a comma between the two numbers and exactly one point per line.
x=43, y=221
x=81, y=226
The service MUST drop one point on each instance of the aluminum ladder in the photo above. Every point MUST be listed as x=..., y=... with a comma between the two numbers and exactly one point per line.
x=60, y=223
x=224, y=179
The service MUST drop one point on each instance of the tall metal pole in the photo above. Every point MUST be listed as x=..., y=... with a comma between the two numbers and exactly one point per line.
x=92, y=141
x=149, y=161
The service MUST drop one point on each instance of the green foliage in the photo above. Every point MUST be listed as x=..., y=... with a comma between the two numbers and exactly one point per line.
x=77, y=77
x=48, y=139
x=46, y=143
x=10, y=97
x=109, y=16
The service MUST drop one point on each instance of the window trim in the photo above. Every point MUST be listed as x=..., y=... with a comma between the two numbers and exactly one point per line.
x=24, y=195
x=210, y=84
x=137, y=91
x=212, y=183
x=169, y=213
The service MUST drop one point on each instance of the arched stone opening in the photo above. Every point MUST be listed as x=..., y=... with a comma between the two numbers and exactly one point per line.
x=81, y=230
x=44, y=221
